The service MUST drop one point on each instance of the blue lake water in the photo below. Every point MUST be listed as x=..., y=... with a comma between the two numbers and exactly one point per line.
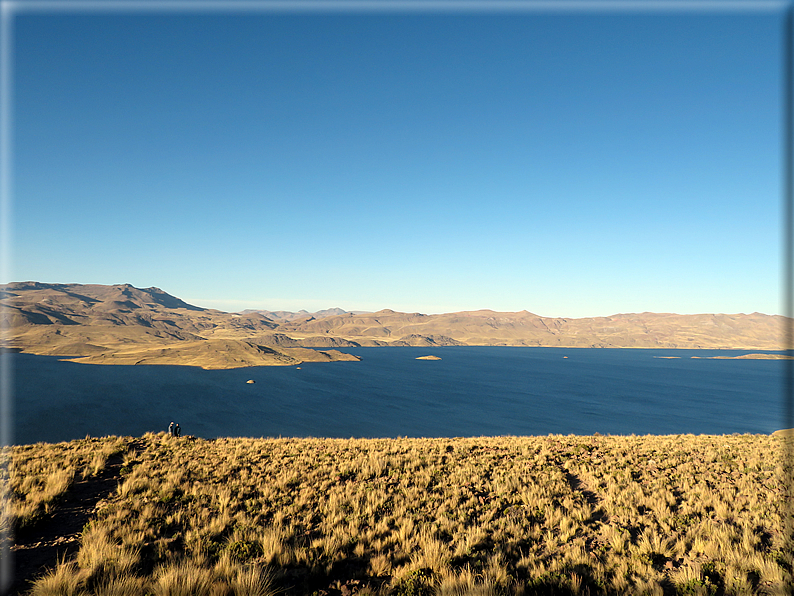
x=471, y=391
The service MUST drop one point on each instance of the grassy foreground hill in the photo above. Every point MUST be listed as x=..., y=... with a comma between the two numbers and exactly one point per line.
x=500, y=515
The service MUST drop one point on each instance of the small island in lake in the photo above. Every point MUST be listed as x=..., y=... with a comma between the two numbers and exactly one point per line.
x=428, y=358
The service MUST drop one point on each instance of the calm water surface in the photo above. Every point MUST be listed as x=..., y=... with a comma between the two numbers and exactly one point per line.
x=472, y=391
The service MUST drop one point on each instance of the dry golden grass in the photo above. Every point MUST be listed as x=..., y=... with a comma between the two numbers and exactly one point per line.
x=504, y=515
x=34, y=477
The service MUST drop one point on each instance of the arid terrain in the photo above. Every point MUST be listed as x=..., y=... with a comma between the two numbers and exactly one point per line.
x=122, y=324
x=158, y=515
x=489, y=328
x=126, y=325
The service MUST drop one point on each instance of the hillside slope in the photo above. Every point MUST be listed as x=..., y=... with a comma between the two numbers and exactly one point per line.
x=126, y=325
x=489, y=328
x=600, y=515
x=123, y=324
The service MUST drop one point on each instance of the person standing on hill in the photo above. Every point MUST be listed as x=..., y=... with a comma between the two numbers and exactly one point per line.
x=177, y=430
x=171, y=429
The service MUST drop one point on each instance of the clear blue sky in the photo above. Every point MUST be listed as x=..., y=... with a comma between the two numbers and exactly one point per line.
x=570, y=164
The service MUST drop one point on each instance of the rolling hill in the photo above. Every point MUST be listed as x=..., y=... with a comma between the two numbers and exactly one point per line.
x=121, y=324
x=489, y=328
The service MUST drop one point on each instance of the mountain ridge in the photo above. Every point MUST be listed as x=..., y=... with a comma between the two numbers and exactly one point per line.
x=286, y=315
x=122, y=324
x=99, y=323
x=649, y=330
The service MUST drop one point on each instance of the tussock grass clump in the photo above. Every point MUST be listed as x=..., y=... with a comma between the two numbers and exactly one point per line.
x=503, y=515
x=34, y=477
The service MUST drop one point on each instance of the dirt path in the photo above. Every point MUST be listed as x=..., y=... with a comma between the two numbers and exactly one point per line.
x=592, y=499
x=57, y=536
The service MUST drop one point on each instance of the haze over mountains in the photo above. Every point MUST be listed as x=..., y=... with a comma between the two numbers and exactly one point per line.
x=121, y=324
x=286, y=315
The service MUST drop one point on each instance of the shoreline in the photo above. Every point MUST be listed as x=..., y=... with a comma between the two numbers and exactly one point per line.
x=160, y=355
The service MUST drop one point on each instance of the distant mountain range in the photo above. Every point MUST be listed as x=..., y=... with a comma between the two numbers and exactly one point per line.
x=121, y=324
x=286, y=315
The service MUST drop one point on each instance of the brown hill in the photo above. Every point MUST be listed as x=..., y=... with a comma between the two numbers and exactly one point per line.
x=123, y=324
x=489, y=328
x=34, y=303
x=282, y=316
x=284, y=341
x=127, y=325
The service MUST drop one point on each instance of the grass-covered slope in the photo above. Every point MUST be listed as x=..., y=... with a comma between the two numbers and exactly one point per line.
x=556, y=514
